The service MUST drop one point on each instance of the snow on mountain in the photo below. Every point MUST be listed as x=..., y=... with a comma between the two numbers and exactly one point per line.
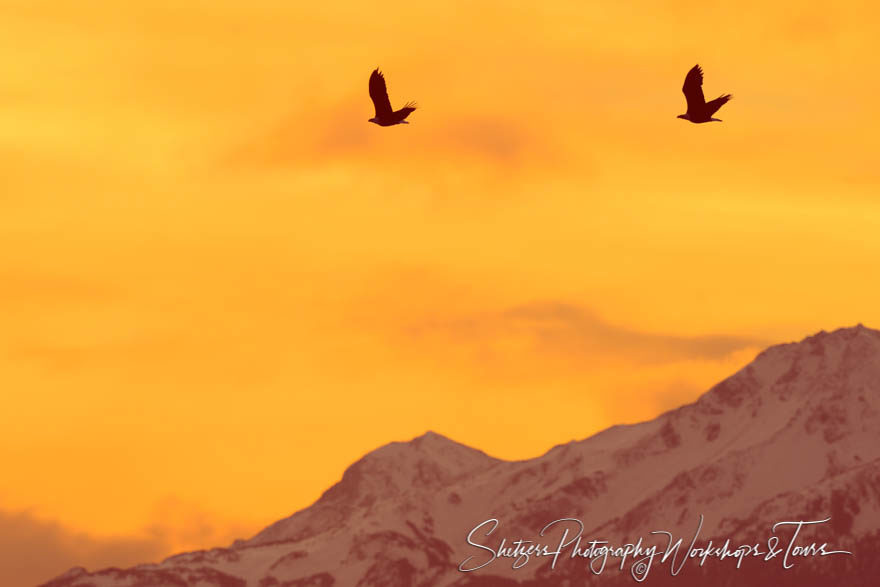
x=795, y=435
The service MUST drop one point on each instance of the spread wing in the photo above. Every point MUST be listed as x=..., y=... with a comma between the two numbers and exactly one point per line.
x=713, y=105
x=379, y=94
x=693, y=89
x=407, y=109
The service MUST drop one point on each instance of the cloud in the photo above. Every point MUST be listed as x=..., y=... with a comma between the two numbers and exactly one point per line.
x=575, y=333
x=341, y=132
x=33, y=551
x=492, y=138
x=569, y=328
x=194, y=527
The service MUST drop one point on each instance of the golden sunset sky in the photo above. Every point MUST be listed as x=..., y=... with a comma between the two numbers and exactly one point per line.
x=220, y=285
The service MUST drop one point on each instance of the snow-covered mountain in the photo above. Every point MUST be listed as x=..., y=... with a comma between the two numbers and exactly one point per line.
x=795, y=435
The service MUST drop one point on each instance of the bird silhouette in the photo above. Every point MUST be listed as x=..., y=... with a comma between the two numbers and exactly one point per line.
x=698, y=109
x=385, y=116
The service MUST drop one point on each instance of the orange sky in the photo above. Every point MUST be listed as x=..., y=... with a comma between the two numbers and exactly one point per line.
x=221, y=285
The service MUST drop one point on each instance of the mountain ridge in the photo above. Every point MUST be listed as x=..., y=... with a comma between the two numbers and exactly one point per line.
x=793, y=431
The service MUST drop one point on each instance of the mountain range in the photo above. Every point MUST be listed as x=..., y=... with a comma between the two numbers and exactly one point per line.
x=793, y=436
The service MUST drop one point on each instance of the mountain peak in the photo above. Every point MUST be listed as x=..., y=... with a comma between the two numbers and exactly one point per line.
x=432, y=436
x=847, y=354
x=843, y=335
x=846, y=359
x=858, y=334
x=432, y=443
x=403, y=471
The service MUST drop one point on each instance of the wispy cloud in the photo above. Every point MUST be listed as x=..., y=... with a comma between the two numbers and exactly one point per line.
x=340, y=132
x=566, y=330
x=575, y=329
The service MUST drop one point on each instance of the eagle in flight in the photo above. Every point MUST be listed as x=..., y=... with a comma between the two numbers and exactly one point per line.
x=385, y=116
x=698, y=109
